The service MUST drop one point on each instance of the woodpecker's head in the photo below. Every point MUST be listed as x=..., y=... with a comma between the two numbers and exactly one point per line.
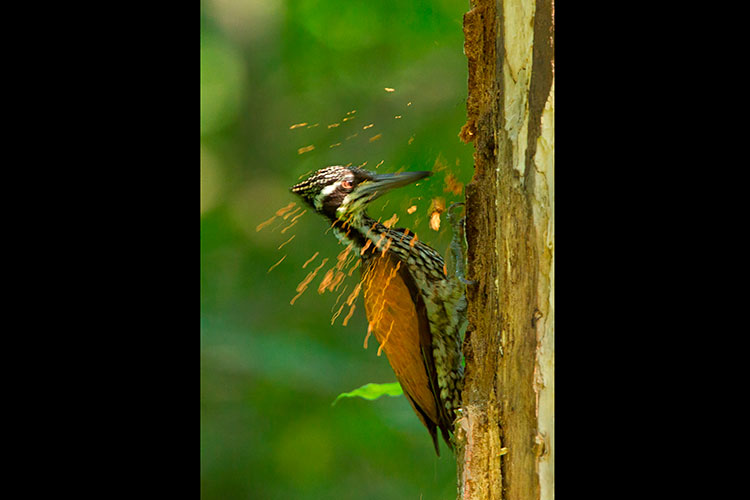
x=344, y=192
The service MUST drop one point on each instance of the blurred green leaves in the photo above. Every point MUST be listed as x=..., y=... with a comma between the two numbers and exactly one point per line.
x=269, y=369
x=372, y=391
x=342, y=25
x=222, y=82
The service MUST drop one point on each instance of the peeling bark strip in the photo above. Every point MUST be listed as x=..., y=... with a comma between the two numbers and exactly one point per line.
x=505, y=435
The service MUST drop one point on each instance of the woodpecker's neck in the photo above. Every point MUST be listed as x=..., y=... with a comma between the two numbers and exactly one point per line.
x=358, y=229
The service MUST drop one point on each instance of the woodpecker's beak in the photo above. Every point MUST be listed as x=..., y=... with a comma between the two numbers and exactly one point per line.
x=382, y=183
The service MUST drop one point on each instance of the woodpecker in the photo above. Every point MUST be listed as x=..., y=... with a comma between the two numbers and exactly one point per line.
x=415, y=309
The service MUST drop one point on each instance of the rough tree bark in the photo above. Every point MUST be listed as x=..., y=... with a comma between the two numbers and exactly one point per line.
x=506, y=432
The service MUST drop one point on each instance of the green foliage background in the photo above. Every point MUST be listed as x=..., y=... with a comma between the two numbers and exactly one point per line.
x=270, y=370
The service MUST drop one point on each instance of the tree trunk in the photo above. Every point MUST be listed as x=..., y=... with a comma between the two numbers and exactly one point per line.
x=505, y=434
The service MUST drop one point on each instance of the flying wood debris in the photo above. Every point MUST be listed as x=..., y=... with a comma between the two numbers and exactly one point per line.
x=297, y=125
x=289, y=226
x=303, y=284
x=337, y=280
x=279, y=213
x=287, y=241
x=348, y=316
x=440, y=163
x=327, y=279
x=336, y=314
x=279, y=262
x=435, y=221
x=390, y=222
x=377, y=243
x=437, y=207
x=353, y=296
x=305, y=149
x=334, y=278
x=386, y=247
x=411, y=209
x=388, y=89
x=452, y=185
x=437, y=204
x=354, y=267
x=387, y=336
x=338, y=297
x=310, y=260
x=265, y=223
x=299, y=215
x=375, y=137
x=382, y=300
x=365, y=246
x=289, y=214
x=369, y=332
x=377, y=295
x=343, y=256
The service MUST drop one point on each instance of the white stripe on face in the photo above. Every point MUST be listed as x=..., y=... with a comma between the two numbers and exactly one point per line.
x=325, y=193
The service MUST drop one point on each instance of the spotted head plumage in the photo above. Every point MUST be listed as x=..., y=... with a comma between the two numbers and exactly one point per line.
x=343, y=192
x=327, y=189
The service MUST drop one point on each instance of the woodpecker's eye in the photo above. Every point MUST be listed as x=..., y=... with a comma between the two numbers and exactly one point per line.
x=346, y=184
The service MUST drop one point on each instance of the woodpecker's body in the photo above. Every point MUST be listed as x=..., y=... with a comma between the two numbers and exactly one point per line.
x=414, y=309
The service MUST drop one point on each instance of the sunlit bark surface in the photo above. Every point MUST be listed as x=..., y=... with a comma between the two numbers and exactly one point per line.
x=506, y=432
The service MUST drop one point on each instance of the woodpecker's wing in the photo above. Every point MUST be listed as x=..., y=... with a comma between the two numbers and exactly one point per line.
x=398, y=318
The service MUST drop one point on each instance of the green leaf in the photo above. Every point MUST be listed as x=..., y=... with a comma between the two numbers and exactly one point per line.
x=372, y=391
